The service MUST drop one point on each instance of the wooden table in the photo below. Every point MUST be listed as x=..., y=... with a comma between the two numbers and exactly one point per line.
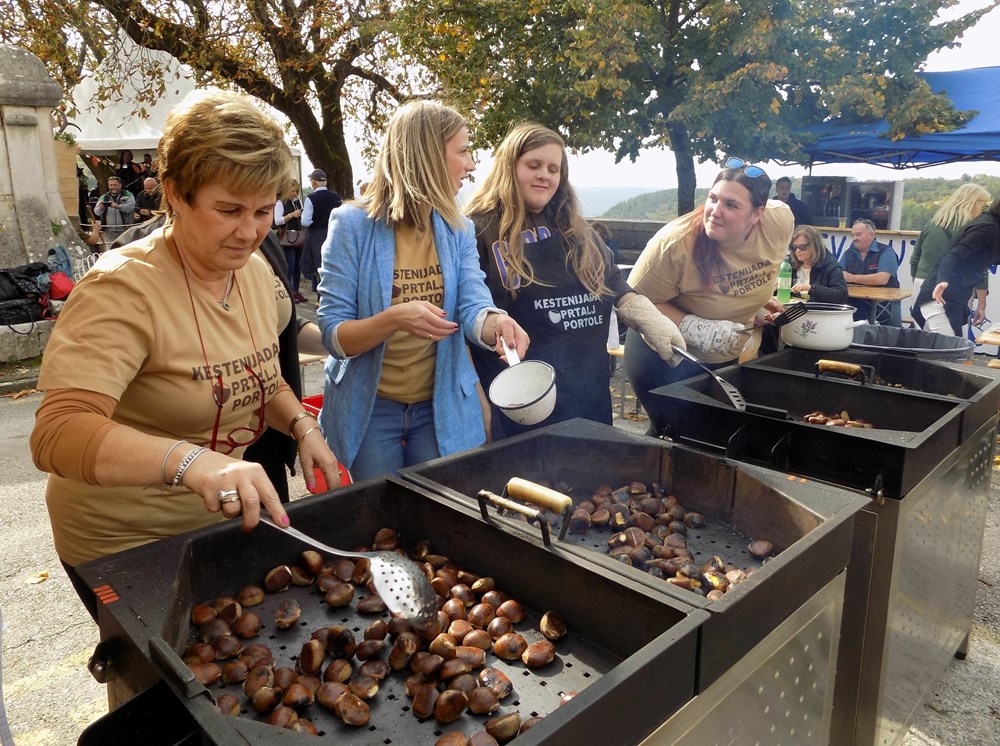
x=877, y=293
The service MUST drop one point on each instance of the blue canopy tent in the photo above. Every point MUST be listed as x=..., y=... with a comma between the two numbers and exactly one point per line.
x=979, y=140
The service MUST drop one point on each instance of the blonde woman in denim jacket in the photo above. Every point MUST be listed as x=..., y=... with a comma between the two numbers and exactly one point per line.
x=401, y=295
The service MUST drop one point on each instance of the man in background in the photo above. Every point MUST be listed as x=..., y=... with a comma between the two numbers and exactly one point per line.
x=800, y=211
x=115, y=209
x=147, y=200
x=868, y=262
x=315, y=219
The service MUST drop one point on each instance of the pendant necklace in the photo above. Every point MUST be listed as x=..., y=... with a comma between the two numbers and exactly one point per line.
x=225, y=298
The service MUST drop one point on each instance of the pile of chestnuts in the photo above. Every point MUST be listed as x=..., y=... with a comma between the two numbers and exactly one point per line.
x=445, y=664
x=649, y=530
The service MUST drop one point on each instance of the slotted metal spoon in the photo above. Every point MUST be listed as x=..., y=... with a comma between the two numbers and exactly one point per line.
x=398, y=580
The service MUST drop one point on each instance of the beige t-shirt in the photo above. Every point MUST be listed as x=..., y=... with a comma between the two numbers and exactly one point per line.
x=666, y=270
x=128, y=331
x=408, y=362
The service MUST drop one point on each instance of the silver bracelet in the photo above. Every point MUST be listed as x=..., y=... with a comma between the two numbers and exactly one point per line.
x=188, y=459
x=163, y=466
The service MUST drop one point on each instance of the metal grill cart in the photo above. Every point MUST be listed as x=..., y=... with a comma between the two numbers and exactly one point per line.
x=772, y=639
x=622, y=637
x=911, y=583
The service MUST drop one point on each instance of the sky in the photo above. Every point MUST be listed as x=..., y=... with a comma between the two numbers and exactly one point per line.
x=656, y=168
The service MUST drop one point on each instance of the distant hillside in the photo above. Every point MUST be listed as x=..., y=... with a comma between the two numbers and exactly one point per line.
x=596, y=200
x=921, y=199
x=660, y=205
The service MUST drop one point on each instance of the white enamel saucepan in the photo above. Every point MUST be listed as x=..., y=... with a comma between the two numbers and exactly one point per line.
x=526, y=391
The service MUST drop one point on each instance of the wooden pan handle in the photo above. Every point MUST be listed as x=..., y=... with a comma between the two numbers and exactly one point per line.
x=835, y=366
x=543, y=497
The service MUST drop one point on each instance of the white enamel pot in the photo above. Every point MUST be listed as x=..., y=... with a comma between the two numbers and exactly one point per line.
x=824, y=326
x=526, y=391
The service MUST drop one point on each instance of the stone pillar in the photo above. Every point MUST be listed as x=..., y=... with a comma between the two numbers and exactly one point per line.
x=32, y=217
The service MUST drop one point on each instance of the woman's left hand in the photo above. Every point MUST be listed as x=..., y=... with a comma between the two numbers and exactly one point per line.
x=315, y=453
x=499, y=325
x=801, y=287
x=770, y=309
x=938, y=293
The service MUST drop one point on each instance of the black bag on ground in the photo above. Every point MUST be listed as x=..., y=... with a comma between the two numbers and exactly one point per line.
x=21, y=311
x=22, y=282
x=22, y=300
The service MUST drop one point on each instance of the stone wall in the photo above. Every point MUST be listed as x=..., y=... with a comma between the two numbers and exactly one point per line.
x=631, y=236
x=32, y=217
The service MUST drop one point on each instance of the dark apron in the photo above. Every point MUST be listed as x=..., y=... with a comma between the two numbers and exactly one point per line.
x=568, y=328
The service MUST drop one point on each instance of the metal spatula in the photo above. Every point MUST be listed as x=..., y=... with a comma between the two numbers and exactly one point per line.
x=789, y=315
x=733, y=393
x=398, y=580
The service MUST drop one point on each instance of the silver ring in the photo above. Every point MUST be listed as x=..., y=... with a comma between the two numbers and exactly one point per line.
x=228, y=496
x=430, y=336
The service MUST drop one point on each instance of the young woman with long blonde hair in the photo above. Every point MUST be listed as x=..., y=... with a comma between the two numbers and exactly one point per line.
x=401, y=294
x=548, y=269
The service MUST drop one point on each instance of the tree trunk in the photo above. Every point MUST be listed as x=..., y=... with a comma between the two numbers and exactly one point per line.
x=686, y=180
x=326, y=148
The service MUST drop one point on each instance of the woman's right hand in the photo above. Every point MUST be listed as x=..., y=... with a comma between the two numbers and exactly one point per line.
x=423, y=320
x=212, y=473
x=938, y=293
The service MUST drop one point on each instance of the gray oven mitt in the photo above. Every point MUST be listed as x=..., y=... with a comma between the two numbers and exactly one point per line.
x=659, y=332
x=714, y=336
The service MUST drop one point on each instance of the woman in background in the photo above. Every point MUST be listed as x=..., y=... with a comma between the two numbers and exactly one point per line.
x=550, y=271
x=401, y=295
x=287, y=216
x=965, y=203
x=941, y=305
x=814, y=270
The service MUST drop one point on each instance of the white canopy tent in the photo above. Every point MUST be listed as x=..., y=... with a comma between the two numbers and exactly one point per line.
x=108, y=127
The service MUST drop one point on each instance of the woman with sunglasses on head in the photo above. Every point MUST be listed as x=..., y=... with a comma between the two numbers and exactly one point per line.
x=401, y=295
x=712, y=272
x=163, y=367
x=815, y=272
x=549, y=270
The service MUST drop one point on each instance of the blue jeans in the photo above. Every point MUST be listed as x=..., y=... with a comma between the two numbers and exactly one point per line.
x=398, y=435
x=646, y=371
x=293, y=258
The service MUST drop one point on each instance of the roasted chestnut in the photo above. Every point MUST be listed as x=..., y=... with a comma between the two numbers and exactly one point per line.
x=510, y=646
x=287, y=613
x=450, y=705
x=538, y=654
x=278, y=579
x=504, y=727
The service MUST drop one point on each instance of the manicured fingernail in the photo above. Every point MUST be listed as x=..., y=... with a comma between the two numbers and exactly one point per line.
x=284, y=520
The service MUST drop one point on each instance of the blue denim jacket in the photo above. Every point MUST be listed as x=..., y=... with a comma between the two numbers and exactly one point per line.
x=356, y=283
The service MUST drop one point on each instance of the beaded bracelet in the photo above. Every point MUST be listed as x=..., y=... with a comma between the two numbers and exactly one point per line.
x=188, y=459
x=163, y=466
x=300, y=416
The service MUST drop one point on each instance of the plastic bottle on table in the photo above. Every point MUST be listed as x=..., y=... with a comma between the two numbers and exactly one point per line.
x=784, y=293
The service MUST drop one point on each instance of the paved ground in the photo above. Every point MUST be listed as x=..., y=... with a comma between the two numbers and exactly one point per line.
x=47, y=637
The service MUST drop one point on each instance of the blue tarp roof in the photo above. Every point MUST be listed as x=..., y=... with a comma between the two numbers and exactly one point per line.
x=979, y=140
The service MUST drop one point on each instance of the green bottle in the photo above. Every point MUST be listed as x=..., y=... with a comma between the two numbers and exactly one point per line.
x=784, y=293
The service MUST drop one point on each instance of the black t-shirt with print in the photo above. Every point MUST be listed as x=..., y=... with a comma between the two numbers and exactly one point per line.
x=568, y=326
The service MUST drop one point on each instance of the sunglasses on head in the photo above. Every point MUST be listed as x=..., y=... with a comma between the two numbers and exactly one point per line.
x=750, y=170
